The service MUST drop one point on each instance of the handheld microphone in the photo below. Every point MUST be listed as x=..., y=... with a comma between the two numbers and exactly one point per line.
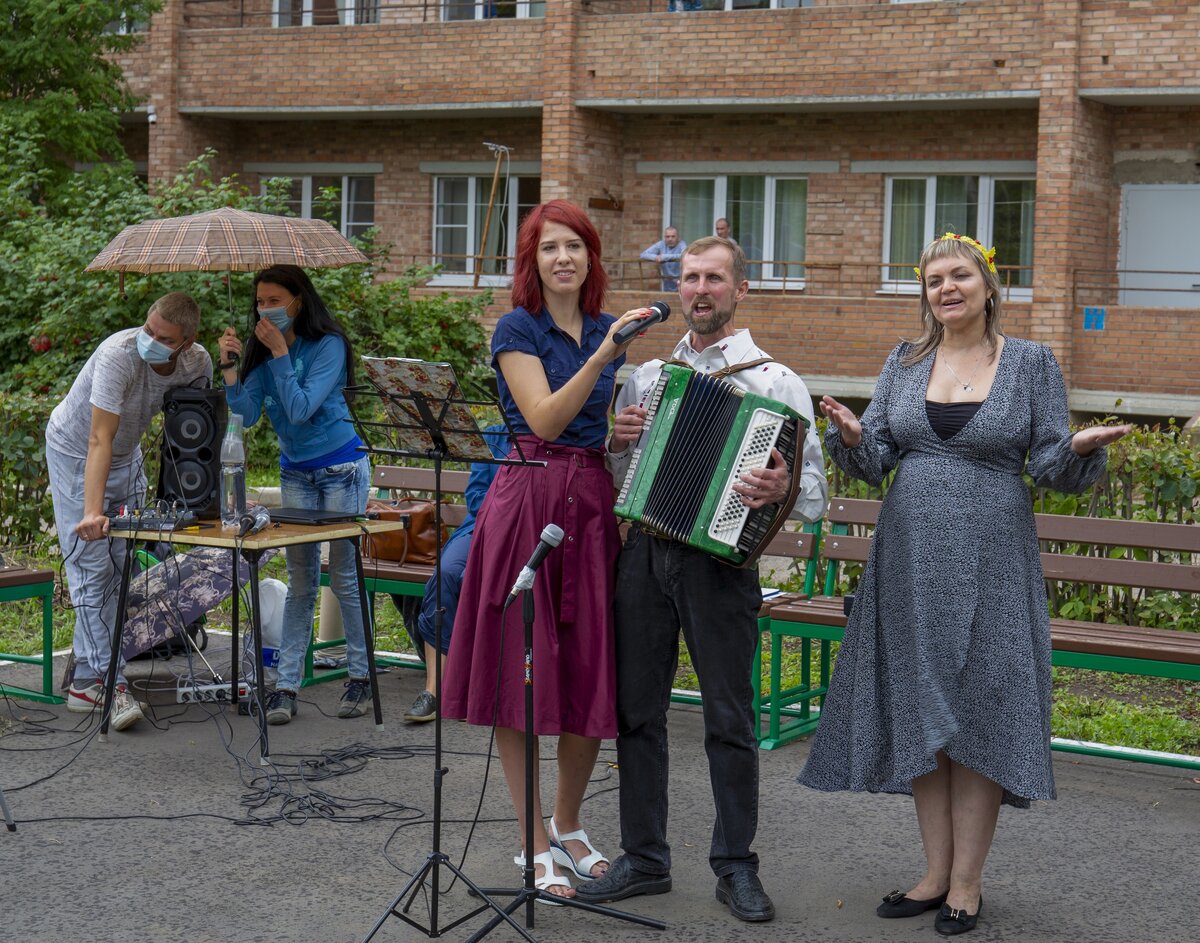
x=253, y=521
x=659, y=311
x=552, y=536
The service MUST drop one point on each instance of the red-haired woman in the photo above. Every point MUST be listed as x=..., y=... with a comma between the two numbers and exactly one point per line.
x=556, y=365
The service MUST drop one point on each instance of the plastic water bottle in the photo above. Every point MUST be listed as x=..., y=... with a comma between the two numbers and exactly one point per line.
x=233, y=474
x=272, y=594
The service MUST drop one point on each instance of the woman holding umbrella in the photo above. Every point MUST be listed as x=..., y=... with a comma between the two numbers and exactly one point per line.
x=296, y=363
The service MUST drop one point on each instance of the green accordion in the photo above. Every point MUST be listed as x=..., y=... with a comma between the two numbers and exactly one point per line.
x=701, y=434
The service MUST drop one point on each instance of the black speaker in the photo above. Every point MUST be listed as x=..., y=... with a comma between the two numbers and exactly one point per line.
x=190, y=470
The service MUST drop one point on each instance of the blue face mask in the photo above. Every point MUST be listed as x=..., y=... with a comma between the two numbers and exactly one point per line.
x=153, y=352
x=278, y=317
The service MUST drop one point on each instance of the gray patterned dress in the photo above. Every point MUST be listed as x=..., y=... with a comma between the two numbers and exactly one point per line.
x=948, y=644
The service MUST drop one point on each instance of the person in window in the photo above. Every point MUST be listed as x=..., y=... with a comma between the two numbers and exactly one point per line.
x=556, y=365
x=452, y=565
x=296, y=364
x=666, y=253
x=942, y=684
x=94, y=459
x=721, y=228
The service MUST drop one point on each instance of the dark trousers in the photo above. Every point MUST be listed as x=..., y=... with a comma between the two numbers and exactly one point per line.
x=663, y=586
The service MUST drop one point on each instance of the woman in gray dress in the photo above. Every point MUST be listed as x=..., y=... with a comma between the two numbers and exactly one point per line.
x=942, y=684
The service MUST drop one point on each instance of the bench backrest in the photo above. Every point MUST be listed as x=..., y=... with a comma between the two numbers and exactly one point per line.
x=841, y=546
x=405, y=479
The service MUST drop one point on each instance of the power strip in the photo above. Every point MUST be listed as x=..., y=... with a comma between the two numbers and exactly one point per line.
x=211, y=693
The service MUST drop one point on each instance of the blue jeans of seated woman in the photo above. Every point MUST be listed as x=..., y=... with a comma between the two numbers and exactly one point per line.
x=336, y=488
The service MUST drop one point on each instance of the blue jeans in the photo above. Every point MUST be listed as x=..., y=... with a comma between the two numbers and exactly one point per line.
x=93, y=567
x=662, y=586
x=336, y=488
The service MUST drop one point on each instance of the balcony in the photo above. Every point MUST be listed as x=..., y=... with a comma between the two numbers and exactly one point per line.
x=238, y=59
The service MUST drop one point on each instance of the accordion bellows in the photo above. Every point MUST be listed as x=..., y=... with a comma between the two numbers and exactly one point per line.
x=701, y=434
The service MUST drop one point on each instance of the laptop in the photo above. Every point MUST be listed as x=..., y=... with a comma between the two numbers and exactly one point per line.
x=310, y=516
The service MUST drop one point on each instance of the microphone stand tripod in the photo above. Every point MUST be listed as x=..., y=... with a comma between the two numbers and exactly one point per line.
x=529, y=892
x=419, y=413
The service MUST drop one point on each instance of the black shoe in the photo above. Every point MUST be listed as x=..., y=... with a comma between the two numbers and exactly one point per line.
x=281, y=707
x=950, y=922
x=622, y=880
x=358, y=692
x=423, y=708
x=743, y=893
x=898, y=905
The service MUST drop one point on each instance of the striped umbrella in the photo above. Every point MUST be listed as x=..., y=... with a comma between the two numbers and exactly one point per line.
x=225, y=240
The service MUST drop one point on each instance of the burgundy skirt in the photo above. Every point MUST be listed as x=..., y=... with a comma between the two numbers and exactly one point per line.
x=574, y=677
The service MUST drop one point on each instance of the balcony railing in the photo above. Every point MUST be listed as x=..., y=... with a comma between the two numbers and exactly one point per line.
x=260, y=14
x=813, y=278
x=1141, y=288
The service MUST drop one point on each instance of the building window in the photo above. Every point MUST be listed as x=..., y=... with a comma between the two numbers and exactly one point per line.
x=346, y=202
x=493, y=9
x=682, y=6
x=767, y=216
x=995, y=210
x=125, y=25
x=461, y=212
x=325, y=12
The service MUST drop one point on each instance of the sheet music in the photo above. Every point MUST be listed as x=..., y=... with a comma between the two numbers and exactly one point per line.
x=401, y=379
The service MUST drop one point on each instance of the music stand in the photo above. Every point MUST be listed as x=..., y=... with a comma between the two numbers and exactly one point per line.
x=430, y=419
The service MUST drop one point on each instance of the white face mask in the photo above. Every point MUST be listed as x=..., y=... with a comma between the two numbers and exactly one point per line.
x=154, y=352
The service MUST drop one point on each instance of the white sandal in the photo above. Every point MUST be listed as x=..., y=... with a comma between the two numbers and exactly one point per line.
x=582, y=869
x=550, y=878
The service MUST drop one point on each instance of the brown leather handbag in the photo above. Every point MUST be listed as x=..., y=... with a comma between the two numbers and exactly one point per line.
x=416, y=543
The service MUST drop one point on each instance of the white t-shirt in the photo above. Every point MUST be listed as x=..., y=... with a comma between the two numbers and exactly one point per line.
x=117, y=380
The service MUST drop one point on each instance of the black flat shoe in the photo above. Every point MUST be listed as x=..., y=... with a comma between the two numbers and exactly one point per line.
x=951, y=922
x=742, y=892
x=620, y=881
x=897, y=904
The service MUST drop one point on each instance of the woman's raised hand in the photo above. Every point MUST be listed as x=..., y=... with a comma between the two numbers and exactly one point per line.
x=1086, y=441
x=629, y=317
x=229, y=348
x=845, y=420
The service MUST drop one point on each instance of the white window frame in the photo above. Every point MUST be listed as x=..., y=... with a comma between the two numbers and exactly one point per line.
x=523, y=12
x=987, y=192
x=346, y=11
x=775, y=5
x=305, y=176
x=768, y=279
x=476, y=198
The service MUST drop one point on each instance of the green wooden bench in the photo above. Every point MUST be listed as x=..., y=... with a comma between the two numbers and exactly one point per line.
x=18, y=582
x=387, y=576
x=793, y=545
x=1098, y=646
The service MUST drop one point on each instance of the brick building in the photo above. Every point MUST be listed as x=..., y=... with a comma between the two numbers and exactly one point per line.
x=837, y=136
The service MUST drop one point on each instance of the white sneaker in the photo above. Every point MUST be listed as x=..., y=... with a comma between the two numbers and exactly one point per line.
x=85, y=699
x=126, y=711
x=90, y=697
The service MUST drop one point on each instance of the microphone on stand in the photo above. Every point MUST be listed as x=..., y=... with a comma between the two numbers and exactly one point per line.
x=253, y=521
x=659, y=311
x=552, y=536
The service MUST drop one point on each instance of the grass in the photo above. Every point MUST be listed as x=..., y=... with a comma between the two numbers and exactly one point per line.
x=1129, y=710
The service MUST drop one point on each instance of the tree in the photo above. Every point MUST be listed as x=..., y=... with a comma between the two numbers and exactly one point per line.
x=61, y=95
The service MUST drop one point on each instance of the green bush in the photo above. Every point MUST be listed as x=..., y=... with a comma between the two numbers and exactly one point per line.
x=25, y=512
x=1153, y=474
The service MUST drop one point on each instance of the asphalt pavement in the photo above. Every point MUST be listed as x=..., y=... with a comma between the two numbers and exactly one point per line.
x=174, y=832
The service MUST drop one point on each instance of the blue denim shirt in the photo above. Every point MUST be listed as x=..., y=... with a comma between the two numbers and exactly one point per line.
x=561, y=358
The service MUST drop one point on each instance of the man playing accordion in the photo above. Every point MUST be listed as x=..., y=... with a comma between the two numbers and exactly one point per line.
x=663, y=585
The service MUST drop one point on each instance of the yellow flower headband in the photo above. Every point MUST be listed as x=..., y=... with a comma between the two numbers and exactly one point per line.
x=989, y=255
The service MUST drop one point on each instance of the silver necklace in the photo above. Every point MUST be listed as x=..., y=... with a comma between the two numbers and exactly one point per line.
x=966, y=384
